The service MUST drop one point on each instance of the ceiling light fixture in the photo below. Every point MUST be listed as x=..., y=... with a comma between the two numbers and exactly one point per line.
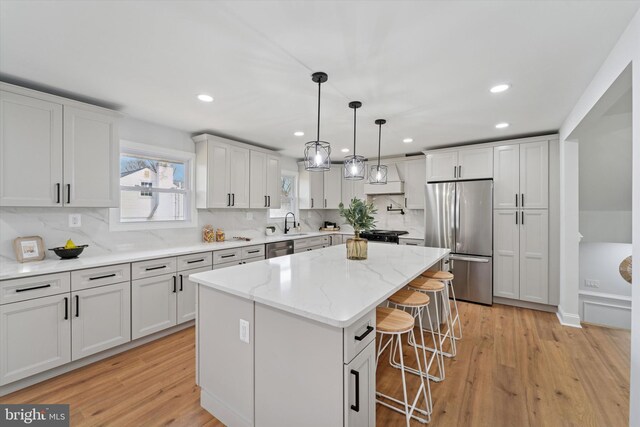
x=407, y=140
x=345, y=150
x=378, y=173
x=502, y=125
x=317, y=154
x=354, y=164
x=500, y=88
x=205, y=98
x=299, y=133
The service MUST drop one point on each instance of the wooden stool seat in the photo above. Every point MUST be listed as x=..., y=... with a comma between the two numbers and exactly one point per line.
x=438, y=275
x=394, y=321
x=409, y=298
x=424, y=284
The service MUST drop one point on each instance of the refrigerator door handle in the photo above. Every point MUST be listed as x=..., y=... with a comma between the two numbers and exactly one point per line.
x=469, y=259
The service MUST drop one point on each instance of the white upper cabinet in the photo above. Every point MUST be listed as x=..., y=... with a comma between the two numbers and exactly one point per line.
x=274, y=182
x=413, y=175
x=521, y=176
x=35, y=130
x=91, y=153
x=311, y=190
x=442, y=166
x=265, y=180
x=238, y=170
x=332, y=187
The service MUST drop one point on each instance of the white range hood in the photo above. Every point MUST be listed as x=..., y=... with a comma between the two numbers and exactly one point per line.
x=393, y=186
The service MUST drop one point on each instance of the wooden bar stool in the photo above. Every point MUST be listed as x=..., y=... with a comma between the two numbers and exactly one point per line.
x=394, y=323
x=447, y=278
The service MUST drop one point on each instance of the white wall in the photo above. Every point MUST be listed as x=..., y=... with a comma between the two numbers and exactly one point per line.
x=626, y=51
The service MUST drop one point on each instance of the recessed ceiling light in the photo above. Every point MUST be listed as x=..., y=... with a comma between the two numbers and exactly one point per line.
x=407, y=140
x=345, y=150
x=499, y=88
x=502, y=125
x=299, y=133
x=205, y=98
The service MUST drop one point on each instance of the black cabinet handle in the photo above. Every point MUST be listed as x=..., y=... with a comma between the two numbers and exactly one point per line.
x=103, y=277
x=516, y=218
x=68, y=193
x=181, y=283
x=195, y=260
x=405, y=202
x=233, y=199
x=155, y=268
x=312, y=202
x=522, y=200
x=255, y=251
x=227, y=256
x=460, y=171
x=77, y=306
x=33, y=288
x=66, y=308
x=58, y=192
x=265, y=202
x=269, y=198
x=522, y=222
x=356, y=407
x=516, y=200
x=365, y=333
x=174, y=284
x=455, y=171
x=228, y=199
x=325, y=203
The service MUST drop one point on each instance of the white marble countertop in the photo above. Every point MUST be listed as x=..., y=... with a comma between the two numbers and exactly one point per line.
x=13, y=270
x=323, y=285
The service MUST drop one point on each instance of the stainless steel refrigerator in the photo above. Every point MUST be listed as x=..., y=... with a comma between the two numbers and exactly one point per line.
x=459, y=216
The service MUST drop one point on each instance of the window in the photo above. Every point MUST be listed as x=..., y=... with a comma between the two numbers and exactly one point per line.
x=288, y=196
x=156, y=188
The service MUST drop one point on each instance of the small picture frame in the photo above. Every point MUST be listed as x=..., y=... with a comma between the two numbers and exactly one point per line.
x=29, y=248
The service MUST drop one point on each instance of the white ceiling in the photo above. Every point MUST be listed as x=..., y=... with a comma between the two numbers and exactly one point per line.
x=424, y=66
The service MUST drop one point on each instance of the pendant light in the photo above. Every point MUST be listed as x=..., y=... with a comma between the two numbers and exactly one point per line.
x=378, y=173
x=317, y=153
x=354, y=165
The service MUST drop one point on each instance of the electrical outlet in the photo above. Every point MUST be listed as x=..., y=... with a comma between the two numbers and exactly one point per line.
x=75, y=220
x=590, y=283
x=244, y=331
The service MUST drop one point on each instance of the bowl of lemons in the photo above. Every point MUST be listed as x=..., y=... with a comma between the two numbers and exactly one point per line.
x=69, y=250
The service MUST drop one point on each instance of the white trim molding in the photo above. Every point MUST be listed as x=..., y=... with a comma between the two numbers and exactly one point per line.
x=568, y=319
x=605, y=309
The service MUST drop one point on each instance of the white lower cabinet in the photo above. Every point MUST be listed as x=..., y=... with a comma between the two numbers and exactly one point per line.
x=153, y=304
x=35, y=336
x=360, y=389
x=101, y=319
x=506, y=254
x=186, y=295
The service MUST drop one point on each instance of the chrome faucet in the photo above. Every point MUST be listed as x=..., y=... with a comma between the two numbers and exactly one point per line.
x=286, y=229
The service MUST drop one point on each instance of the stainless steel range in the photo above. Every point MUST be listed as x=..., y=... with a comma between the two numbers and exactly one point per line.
x=384, y=236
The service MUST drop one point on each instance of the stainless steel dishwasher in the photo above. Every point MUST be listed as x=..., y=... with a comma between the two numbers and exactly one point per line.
x=277, y=249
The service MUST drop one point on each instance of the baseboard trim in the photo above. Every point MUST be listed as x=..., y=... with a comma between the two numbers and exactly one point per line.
x=568, y=319
x=221, y=411
x=43, y=376
x=525, y=304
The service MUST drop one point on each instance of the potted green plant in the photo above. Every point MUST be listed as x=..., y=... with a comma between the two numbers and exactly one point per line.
x=359, y=215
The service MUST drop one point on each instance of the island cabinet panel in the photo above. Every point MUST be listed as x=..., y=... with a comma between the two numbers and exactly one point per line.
x=226, y=363
x=298, y=370
x=359, y=389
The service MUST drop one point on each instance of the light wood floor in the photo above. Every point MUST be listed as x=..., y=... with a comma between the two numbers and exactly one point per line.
x=514, y=367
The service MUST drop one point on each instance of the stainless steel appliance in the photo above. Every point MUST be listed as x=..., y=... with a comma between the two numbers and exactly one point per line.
x=277, y=249
x=459, y=216
x=384, y=236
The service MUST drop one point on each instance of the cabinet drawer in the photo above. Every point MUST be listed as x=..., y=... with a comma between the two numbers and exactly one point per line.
x=411, y=242
x=253, y=252
x=326, y=240
x=248, y=260
x=153, y=267
x=228, y=255
x=357, y=336
x=92, y=277
x=15, y=290
x=202, y=259
x=226, y=264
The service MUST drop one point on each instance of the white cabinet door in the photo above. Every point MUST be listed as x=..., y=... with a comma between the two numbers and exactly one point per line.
x=360, y=389
x=30, y=151
x=506, y=253
x=414, y=176
x=239, y=176
x=534, y=256
x=91, y=155
x=332, y=183
x=258, y=183
x=101, y=319
x=442, y=166
x=186, y=295
x=218, y=191
x=311, y=191
x=274, y=182
x=506, y=177
x=475, y=163
x=153, y=304
x=35, y=336
x=534, y=175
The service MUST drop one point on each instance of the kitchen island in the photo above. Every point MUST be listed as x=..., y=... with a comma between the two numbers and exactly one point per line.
x=290, y=341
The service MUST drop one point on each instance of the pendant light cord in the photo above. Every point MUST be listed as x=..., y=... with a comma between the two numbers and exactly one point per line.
x=318, y=133
x=354, y=132
x=379, y=142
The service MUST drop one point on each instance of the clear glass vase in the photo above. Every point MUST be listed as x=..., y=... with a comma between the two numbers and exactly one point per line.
x=357, y=248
